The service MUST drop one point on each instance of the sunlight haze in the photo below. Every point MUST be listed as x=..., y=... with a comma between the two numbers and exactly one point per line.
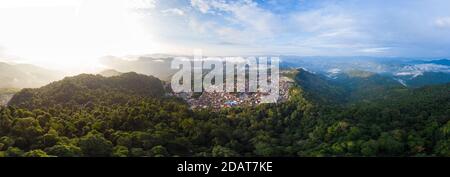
x=71, y=35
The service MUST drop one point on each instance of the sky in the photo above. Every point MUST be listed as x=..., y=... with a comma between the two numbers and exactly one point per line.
x=73, y=34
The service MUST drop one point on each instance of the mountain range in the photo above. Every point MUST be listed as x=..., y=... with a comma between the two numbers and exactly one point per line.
x=408, y=72
x=353, y=113
x=26, y=76
x=347, y=87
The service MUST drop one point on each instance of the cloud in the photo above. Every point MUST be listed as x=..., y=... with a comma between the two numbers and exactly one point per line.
x=237, y=22
x=322, y=20
x=202, y=5
x=295, y=27
x=329, y=30
x=173, y=11
x=375, y=50
x=320, y=27
x=442, y=22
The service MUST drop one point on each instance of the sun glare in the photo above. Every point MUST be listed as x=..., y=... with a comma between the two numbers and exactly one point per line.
x=72, y=34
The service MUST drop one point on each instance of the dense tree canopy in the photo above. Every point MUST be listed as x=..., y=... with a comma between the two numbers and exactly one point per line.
x=92, y=115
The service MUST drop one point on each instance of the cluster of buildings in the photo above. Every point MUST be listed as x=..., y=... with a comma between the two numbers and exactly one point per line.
x=219, y=100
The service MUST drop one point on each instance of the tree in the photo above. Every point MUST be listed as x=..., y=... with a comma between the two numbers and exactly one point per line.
x=443, y=148
x=27, y=128
x=7, y=142
x=219, y=151
x=120, y=151
x=64, y=150
x=159, y=151
x=389, y=145
x=50, y=138
x=13, y=152
x=36, y=153
x=95, y=145
x=138, y=152
x=369, y=148
x=124, y=139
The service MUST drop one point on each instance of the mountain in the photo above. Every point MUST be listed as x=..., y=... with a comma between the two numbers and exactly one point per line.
x=407, y=72
x=148, y=65
x=90, y=89
x=398, y=69
x=347, y=87
x=426, y=78
x=445, y=62
x=319, y=88
x=367, y=86
x=110, y=73
x=25, y=76
x=92, y=115
x=410, y=123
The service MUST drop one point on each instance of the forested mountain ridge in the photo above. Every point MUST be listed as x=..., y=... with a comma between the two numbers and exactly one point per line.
x=319, y=88
x=348, y=87
x=427, y=78
x=87, y=88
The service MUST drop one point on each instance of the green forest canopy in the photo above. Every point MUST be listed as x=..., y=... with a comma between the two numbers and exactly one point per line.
x=129, y=115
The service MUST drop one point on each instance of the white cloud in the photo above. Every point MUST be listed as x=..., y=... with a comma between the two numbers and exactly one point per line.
x=442, y=22
x=243, y=20
x=202, y=5
x=173, y=11
x=321, y=20
x=375, y=50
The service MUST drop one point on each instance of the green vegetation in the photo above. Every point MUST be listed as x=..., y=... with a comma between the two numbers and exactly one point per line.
x=86, y=90
x=348, y=88
x=128, y=115
x=428, y=78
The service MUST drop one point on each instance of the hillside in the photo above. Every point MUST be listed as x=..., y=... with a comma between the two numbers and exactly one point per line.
x=366, y=86
x=319, y=88
x=427, y=78
x=110, y=73
x=94, y=89
x=25, y=76
x=348, y=87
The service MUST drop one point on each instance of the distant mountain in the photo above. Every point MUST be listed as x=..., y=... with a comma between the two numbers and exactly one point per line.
x=86, y=89
x=110, y=73
x=25, y=76
x=356, y=71
x=149, y=65
x=426, y=78
x=445, y=62
x=407, y=72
